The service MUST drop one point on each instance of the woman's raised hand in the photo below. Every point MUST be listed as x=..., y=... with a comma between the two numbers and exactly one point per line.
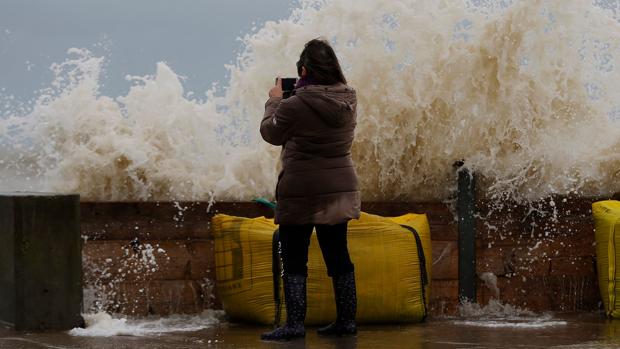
x=276, y=91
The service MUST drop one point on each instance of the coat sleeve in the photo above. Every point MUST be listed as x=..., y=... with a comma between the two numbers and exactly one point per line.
x=278, y=122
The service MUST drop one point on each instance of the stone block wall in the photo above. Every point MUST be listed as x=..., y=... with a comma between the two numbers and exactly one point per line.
x=145, y=258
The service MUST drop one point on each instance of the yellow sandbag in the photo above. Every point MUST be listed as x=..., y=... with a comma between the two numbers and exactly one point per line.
x=607, y=225
x=387, y=265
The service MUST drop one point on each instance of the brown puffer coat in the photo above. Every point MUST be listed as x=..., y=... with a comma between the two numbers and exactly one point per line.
x=318, y=183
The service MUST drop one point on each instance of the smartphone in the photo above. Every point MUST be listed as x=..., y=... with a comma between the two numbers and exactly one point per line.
x=288, y=85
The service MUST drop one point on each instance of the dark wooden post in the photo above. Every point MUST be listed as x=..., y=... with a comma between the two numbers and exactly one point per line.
x=466, y=210
x=40, y=261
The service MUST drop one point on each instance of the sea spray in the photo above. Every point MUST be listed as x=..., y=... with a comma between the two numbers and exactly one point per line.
x=490, y=282
x=496, y=314
x=500, y=315
x=152, y=143
x=525, y=91
x=105, y=325
x=106, y=277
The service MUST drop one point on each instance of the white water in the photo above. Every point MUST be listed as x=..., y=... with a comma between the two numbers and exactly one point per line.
x=501, y=315
x=524, y=90
x=497, y=314
x=525, y=324
x=104, y=325
x=104, y=277
x=104, y=294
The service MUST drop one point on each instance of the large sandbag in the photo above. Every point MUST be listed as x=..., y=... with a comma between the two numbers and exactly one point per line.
x=607, y=227
x=393, y=281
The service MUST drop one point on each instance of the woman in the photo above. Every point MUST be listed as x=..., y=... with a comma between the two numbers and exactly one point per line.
x=317, y=186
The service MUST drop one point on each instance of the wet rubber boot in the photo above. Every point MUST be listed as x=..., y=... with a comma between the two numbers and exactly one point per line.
x=346, y=307
x=295, y=299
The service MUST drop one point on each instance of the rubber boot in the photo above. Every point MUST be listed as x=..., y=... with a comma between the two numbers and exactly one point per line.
x=295, y=299
x=346, y=307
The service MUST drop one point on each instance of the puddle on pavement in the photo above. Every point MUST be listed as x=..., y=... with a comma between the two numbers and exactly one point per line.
x=209, y=330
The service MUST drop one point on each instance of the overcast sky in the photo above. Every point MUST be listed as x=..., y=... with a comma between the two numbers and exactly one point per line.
x=195, y=37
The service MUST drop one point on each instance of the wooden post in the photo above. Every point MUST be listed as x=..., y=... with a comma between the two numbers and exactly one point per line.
x=40, y=261
x=466, y=209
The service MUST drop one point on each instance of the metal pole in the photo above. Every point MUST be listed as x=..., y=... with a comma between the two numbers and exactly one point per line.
x=466, y=209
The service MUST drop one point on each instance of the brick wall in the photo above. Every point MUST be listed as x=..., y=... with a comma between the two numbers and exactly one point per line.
x=543, y=260
x=543, y=254
x=153, y=258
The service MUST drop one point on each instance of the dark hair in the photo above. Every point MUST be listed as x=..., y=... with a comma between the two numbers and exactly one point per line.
x=321, y=63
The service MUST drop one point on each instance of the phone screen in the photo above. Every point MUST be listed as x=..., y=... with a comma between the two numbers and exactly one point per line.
x=288, y=84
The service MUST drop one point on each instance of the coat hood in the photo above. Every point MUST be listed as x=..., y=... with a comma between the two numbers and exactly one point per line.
x=335, y=104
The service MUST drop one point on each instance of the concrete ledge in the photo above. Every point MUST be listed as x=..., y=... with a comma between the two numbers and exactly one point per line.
x=40, y=261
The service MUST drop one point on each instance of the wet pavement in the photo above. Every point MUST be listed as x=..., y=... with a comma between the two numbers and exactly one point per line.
x=563, y=331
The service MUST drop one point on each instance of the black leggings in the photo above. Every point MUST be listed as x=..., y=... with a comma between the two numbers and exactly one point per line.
x=295, y=239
